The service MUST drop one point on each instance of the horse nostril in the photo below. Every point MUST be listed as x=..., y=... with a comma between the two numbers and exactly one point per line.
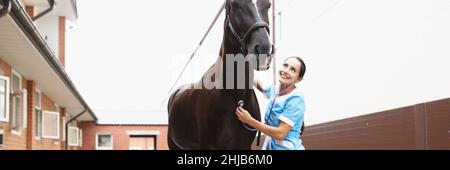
x=257, y=49
x=262, y=49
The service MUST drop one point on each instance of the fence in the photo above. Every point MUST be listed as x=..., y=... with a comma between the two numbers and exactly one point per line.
x=420, y=126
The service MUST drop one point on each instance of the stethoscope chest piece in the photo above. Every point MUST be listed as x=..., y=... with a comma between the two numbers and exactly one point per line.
x=240, y=103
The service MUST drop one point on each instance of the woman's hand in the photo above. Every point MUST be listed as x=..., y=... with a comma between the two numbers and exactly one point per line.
x=243, y=115
x=279, y=133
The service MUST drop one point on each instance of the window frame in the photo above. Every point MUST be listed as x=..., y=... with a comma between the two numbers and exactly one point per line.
x=57, y=125
x=5, y=118
x=37, y=107
x=80, y=137
x=23, y=103
x=24, y=108
x=77, y=133
x=97, y=147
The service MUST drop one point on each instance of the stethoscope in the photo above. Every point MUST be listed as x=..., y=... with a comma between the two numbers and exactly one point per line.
x=241, y=104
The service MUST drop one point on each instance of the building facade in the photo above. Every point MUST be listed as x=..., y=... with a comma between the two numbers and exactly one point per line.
x=123, y=137
x=126, y=130
x=40, y=107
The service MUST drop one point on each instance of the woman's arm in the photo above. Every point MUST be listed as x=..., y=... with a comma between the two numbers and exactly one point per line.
x=279, y=133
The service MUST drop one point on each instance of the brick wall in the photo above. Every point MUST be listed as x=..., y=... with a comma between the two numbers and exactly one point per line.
x=31, y=10
x=420, y=126
x=11, y=141
x=26, y=139
x=43, y=143
x=120, y=137
x=31, y=89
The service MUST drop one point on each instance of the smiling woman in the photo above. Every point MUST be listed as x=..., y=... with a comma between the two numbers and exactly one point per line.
x=284, y=117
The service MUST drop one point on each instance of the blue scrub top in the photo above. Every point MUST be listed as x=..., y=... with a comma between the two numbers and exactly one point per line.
x=290, y=109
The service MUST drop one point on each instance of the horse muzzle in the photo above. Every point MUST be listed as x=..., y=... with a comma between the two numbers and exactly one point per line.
x=263, y=64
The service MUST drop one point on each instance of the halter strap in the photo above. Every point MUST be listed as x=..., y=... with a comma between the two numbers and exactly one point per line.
x=243, y=40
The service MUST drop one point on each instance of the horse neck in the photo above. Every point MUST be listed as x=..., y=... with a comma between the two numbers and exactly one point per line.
x=231, y=46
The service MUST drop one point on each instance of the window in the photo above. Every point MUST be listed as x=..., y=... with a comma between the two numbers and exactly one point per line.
x=145, y=140
x=18, y=104
x=104, y=141
x=4, y=99
x=50, y=125
x=74, y=136
x=80, y=141
x=38, y=132
x=37, y=99
x=38, y=114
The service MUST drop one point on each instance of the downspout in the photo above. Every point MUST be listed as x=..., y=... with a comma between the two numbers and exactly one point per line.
x=6, y=7
x=51, y=4
x=67, y=128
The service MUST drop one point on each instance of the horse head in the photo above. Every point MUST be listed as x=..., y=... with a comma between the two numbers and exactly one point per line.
x=248, y=23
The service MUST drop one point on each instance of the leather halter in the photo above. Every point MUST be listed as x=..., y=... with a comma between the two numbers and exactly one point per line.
x=243, y=40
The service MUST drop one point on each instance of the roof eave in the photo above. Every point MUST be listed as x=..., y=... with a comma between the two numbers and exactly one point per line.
x=25, y=23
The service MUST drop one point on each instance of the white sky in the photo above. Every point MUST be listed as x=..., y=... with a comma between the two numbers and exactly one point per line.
x=362, y=56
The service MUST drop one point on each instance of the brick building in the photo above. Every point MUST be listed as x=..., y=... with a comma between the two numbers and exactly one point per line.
x=126, y=130
x=40, y=107
x=39, y=104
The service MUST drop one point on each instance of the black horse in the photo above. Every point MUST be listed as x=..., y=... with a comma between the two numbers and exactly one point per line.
x=202, y=118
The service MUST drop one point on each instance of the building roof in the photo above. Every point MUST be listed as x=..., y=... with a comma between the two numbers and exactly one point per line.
x=25, y=49
x=118, y=117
